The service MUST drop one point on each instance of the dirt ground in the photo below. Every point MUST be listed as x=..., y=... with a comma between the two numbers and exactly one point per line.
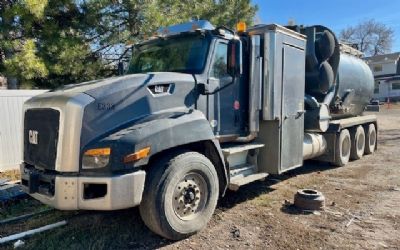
x=362, y=211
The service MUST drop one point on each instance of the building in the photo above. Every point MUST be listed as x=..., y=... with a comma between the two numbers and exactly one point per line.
x=386, y=69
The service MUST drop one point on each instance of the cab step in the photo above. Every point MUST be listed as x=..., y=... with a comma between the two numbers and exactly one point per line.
x=239, y=148
x=239, y=154
x=243, y=170
x=242, y=161
x=236, y=182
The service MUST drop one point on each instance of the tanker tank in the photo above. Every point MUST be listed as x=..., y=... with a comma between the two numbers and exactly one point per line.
x=354, y=87
x=339, y=83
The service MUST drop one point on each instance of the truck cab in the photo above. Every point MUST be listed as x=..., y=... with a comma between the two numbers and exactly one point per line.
x=199, y=110
x=202, y=53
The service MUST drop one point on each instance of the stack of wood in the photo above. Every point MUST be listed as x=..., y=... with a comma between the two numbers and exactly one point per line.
x=3, y=82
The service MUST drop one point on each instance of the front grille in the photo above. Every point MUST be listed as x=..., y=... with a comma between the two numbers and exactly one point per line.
x=41, y=128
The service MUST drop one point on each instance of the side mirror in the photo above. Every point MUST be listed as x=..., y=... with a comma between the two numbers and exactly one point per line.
x=234, y=67
x=120, y=68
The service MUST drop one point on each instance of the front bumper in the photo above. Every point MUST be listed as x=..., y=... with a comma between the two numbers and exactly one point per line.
x=68, y=192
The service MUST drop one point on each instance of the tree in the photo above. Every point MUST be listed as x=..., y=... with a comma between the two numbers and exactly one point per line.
x=130, y=21
x=42, y=43
x=47, y=43
x=370, y=37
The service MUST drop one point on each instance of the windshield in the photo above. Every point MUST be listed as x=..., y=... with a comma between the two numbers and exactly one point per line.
x=180, y=54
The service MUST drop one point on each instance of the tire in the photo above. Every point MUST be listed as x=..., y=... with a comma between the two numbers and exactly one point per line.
x=370, y=139
x=357, y=143
x=174, y=214
x=326, y=77
x=342, y=148
x=325, y=46
x=307, y=199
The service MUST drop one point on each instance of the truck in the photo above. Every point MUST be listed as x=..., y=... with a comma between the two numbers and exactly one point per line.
x=199, y=110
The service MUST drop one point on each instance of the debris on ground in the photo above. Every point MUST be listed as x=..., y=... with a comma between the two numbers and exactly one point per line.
x=235, y=232
x=383, y=245
x=309, y=199
x=350, y=221
x=24, y=217
x=3, y=181
x=11, y=192
x=316, y=213
x=19, y=243
x=31, y=232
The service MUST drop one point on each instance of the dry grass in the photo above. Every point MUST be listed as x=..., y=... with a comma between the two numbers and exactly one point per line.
x=12, y=175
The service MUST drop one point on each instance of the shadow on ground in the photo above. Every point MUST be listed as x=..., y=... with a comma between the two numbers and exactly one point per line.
x=256, y=189
x=124, y=229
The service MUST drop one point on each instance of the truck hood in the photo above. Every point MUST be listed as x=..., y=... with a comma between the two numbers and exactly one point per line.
x=123, y=101
x=105, y=87
x=117, y=102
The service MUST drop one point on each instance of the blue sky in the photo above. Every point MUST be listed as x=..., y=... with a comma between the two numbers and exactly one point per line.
x=335, y=14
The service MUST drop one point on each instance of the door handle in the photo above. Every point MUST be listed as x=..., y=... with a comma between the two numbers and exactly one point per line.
x=295, y=116
x=299, y=113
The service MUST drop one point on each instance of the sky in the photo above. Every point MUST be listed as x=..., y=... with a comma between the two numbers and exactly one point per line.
x=334, y=14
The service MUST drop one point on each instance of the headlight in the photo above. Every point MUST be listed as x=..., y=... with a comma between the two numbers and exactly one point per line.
x=96, y=158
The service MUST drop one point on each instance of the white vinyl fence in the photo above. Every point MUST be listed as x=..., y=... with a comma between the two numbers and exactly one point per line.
x=11, y=102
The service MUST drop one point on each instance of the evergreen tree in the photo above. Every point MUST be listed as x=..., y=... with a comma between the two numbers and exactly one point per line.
x=48, y=43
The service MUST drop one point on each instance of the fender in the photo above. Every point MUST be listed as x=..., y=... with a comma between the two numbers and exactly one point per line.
x=164, y=133
x=160, y=134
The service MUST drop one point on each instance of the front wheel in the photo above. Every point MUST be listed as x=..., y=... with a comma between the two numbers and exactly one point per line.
x=180, y=195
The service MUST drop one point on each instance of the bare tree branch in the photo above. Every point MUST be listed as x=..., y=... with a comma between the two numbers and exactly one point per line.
x=370, y=36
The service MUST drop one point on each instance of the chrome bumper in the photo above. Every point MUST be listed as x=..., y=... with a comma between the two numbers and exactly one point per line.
x=123, y=191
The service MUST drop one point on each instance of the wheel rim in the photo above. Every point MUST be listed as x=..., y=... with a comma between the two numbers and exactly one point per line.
x=190, y=196
x=361, y=142
x=346, y=147
x=372, y=139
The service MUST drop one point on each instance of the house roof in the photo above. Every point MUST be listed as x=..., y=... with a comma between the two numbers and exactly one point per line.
x=344, y=48
x=387, y=57
x=388, y=78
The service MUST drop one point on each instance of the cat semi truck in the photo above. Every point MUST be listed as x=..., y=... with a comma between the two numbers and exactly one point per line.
x=199, y=110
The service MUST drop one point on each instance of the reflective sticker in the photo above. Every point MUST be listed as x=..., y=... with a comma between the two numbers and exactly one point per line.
x=213, y=123
x=236, y=105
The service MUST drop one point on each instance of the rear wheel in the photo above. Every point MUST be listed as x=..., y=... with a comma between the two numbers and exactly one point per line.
x=342, y=148
x=357, y=143
x=370, y=139
x=180, y=195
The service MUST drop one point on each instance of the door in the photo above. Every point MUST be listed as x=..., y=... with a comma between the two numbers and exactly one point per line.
x=227, y=118
x=292, y=132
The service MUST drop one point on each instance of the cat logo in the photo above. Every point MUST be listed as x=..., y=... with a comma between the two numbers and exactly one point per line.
x=33, y=137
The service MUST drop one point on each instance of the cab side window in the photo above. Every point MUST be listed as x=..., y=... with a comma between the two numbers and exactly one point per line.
x=219, y=67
